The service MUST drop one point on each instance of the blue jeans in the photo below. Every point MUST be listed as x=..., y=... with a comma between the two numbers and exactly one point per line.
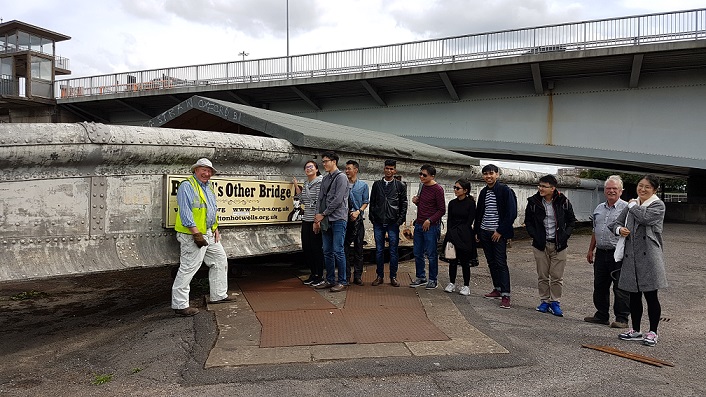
x=393, y=236
x=425, y=245
x=496, y=255
x=334, y=254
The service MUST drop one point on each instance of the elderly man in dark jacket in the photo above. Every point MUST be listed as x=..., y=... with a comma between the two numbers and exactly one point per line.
x=388, y=210
x=549, y=218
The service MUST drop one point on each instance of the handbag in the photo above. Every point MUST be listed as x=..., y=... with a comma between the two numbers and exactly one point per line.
x=619, y=249
x=450, y=251
x=620, y=246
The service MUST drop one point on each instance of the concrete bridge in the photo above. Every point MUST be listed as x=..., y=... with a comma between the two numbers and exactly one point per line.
x=624, y=93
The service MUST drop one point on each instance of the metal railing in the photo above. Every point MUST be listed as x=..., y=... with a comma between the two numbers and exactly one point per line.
x=626, y=31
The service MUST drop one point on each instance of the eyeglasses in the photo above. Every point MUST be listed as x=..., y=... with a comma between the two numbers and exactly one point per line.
x=457, y=188
x=544, y=187
x=423, y=175
x=325, y=161
x=309, y=167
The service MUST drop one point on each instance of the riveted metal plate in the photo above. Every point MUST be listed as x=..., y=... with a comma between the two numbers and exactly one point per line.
x=42, y=208
x=99, y=190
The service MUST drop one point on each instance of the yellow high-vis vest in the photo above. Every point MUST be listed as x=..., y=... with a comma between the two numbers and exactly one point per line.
x=199, y=209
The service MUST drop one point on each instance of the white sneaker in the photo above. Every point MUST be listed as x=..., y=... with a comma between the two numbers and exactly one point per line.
x=450, y=287
x=465, y=290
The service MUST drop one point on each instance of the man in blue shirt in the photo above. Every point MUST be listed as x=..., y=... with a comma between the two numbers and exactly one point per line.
x=358, y=200
x=197, y=232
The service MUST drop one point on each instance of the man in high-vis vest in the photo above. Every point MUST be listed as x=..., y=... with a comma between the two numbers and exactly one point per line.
x=197, y=232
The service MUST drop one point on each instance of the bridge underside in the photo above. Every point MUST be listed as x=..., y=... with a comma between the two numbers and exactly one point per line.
x=633, y=108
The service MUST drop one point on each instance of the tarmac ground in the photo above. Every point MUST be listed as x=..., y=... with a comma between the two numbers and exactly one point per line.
x=113, y=334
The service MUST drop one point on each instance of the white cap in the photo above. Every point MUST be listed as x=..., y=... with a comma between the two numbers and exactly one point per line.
x=204, y=162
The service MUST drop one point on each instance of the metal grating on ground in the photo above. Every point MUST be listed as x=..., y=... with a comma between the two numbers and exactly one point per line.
x=382, y=296
x=391, y=324
x=269, y=282
x=304, y=328
x=303, y=298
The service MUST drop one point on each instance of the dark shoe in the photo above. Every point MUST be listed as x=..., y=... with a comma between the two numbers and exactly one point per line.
x=188, y=312
x=377, y=281
x=338, y=288
x=595, y=320
x=493, y=294
x=505, y=302
x=432, y=284
x=311, y=280
x=394, y=282
x=474, y=263
x=357, y=281
x=226, y=300
x=323, y=285
x=418, y=282
x=618, y=324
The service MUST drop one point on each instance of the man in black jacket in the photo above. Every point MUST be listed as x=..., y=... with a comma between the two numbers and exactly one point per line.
x=549, y=218
x=388, y=210
x=495, y=216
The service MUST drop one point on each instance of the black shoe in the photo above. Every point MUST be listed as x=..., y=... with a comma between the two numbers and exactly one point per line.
x=377, y=281
x=394, y=282
x=323, y=285
x=311, y=280
x=188, y=312
x=225, y=300
x=594, y=320
x=357, y=281
x=474, y=262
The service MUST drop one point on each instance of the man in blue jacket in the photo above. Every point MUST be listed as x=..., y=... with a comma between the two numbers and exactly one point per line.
x=495, y=216
x=549, y=218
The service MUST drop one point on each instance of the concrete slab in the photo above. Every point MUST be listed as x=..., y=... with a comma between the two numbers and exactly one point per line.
x=340, y=352
x=239, y=334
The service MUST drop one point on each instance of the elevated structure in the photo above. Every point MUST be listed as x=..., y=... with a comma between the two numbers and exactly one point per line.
x=28, y=68
x=576, y=93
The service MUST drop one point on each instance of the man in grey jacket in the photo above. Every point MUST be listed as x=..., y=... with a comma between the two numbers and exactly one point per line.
x=332, y=220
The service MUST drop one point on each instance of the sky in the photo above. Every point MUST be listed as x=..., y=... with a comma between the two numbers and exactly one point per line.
x=131, y=35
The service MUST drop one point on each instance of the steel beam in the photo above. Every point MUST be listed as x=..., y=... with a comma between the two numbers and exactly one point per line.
x=537, y=79
x=449, y=85
x=306, y=98
x=636, y=67
x=371, y=90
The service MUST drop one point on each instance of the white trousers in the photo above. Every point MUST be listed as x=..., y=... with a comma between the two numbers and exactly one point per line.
x=213, y=255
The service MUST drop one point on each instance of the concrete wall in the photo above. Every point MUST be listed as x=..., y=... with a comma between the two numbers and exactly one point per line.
x=81, y=198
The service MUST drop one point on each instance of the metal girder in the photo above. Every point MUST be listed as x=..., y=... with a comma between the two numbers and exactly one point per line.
x=82, y=113
x=174, y=98
x=135, y=108
x=636, y=67
x=373, y=93
x=306, y=98
x=449, y=86
x=537, y=79
x=238, y=98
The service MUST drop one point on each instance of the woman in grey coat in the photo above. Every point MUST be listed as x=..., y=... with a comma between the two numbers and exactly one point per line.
x=641, y=224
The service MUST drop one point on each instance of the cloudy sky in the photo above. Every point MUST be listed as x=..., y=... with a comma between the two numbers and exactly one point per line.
x=129, y=35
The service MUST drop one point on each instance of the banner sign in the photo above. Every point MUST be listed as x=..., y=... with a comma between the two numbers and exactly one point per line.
x=242, y=201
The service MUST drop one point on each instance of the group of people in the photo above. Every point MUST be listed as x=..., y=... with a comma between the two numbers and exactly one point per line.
x=625, y=249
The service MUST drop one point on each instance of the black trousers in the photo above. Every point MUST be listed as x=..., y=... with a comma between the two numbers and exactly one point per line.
x=312, y=246
x=355, y=234
x=606, y=272
x=463, y=259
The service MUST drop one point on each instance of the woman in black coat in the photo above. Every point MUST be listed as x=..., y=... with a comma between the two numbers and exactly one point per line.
x=460, y=216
